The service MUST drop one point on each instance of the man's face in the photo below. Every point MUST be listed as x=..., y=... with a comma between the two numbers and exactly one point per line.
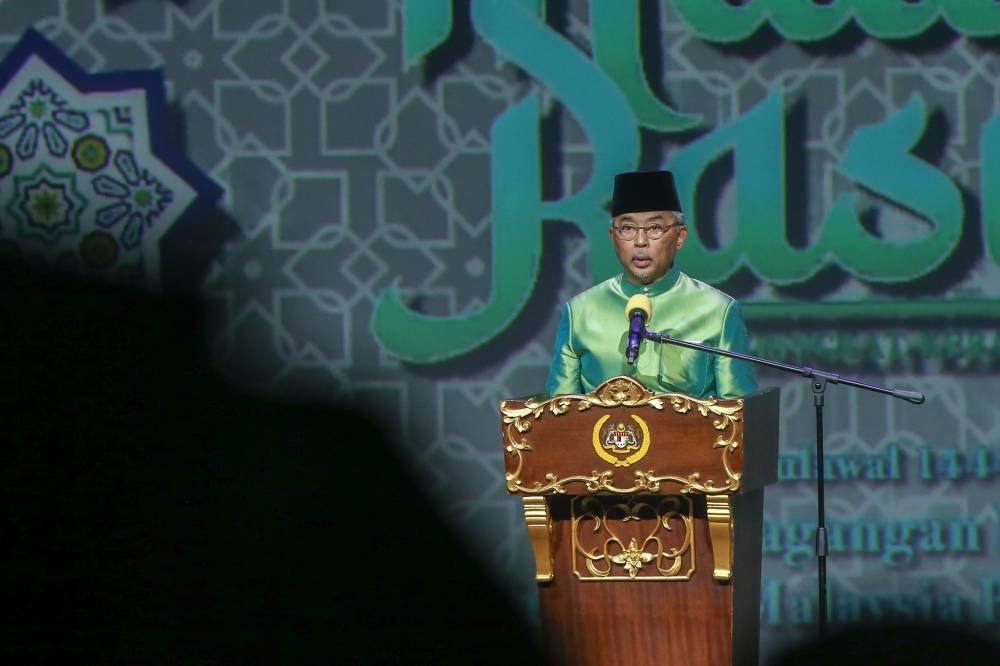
x=646, y=259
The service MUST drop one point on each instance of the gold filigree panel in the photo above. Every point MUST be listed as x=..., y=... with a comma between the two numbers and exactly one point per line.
x=638, y=539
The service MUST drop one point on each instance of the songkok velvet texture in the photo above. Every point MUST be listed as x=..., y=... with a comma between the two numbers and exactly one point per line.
x=643, y=191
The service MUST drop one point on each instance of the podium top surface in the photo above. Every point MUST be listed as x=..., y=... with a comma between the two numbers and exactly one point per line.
x=622, y=438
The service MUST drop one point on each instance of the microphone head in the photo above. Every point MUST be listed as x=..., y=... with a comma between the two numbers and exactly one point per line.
x=639, y=302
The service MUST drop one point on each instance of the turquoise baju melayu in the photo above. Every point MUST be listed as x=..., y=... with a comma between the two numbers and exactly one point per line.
x=593, y=332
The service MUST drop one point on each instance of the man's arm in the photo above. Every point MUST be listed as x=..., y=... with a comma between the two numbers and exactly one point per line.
x=564, y=372
x=734, y=378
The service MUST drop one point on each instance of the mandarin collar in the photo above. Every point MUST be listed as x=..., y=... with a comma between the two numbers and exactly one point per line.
x=653, y=289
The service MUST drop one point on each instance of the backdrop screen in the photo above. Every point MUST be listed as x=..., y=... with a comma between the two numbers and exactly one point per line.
x=415, y=187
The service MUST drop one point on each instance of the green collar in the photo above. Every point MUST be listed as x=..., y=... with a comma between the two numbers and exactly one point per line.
x=654, y=289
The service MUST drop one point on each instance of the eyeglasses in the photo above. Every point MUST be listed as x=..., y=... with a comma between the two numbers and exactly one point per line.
x=629, y=231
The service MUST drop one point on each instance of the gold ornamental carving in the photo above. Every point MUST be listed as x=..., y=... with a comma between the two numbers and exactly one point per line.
x=720, y=532
x=639, y=539
x=621, y=392
x=539, y=521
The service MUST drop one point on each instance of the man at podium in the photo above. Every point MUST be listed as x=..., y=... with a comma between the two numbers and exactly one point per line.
x=647, y=230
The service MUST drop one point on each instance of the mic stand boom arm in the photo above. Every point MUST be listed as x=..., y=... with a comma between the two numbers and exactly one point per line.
x=833, y=378
x=819, y=381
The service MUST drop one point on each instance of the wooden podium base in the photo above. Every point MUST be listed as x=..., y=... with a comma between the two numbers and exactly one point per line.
x=649, y=595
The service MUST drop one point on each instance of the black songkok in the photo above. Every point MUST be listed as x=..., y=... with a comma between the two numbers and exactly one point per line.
x=644, y=191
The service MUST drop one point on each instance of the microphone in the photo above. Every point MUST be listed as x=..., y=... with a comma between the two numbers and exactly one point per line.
x=637, y=311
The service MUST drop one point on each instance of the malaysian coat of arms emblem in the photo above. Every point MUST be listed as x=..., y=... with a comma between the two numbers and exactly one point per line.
x=621, y=443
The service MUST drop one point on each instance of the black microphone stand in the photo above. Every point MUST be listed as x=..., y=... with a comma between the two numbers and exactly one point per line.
x=819, y=381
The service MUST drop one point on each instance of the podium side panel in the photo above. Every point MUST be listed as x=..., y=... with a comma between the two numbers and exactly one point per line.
x=760, y=439
x=748, y=516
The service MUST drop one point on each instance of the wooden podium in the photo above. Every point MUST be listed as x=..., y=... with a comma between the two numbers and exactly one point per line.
x=644, y=512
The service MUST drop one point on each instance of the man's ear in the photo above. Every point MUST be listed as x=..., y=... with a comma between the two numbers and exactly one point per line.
x=682, y=234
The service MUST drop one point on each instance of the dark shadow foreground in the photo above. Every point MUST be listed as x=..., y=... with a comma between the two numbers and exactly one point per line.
x=152, y=515
x=895, y=644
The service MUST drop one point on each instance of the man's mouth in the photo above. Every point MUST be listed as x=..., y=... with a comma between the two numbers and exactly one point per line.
x=642, y=262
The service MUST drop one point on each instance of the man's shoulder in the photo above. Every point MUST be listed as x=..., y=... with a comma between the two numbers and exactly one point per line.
x=599, y=292
x=704, y=290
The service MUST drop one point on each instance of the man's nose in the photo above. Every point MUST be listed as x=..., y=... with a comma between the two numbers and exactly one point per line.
x=640, y=236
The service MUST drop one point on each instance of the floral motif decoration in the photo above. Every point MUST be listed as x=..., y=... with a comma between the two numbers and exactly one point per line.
x=632, y=558
x=40, y=112
x=139, y=199
x=46, y=204
x=90, y=176
x=90, y=153
x=621, y=540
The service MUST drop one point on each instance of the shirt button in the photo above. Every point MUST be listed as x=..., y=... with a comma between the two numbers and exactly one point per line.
x=645, y=290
